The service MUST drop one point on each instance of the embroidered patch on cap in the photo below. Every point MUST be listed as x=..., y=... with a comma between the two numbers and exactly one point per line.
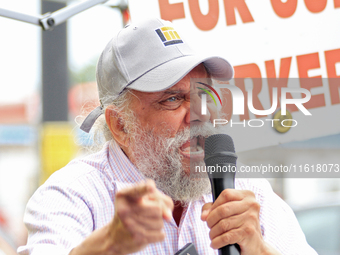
x=168, y=36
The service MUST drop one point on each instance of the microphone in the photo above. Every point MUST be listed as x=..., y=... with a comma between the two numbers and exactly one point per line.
x=220, y=161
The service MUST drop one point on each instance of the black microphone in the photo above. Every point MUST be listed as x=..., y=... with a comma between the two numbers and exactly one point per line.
x=220, y=161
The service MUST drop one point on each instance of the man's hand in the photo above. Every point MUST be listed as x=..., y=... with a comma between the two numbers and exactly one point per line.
x=138, y=221
x=139, y=217
x=234, y=218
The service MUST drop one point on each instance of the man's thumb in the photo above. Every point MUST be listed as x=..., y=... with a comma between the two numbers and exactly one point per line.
x=205, y=211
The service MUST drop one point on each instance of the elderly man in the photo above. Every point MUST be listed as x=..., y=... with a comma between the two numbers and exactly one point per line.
x=137, y=195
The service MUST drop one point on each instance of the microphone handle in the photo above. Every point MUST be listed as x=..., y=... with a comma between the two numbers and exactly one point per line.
x=219, y=184
x=230, y=249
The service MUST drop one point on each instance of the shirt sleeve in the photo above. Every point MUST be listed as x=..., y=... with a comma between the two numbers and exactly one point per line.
x=279, y=225
x=57, y=218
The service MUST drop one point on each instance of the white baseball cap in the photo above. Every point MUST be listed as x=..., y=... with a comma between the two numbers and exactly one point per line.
x=148, y=56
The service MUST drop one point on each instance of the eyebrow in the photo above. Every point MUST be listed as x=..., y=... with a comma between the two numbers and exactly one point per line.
x=171, y=92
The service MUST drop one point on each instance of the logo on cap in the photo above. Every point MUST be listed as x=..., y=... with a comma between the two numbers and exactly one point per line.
x=168, y=36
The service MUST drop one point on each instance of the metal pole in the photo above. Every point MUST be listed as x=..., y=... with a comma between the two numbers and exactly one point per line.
x=20, y=16
x=55, y=78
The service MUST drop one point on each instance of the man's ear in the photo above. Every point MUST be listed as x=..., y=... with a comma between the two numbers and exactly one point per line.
x=115, y=123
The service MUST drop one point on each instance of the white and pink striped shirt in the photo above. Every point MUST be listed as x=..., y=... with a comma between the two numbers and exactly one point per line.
x=80, y=198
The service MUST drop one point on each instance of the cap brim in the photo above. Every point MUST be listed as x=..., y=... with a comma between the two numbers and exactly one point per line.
x=169, y=73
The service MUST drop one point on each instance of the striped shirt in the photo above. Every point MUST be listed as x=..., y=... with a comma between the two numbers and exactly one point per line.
x=80, y=198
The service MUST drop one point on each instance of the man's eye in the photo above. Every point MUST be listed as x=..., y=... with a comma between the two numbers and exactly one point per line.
x=208, y=97
x=172, y=103
x=206, y=92
x=172, y=99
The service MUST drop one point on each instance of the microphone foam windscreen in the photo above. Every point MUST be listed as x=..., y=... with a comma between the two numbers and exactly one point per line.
x=219, y=149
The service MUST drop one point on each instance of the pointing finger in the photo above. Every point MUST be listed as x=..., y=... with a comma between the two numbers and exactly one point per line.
x=136, y=192
x=164, y=201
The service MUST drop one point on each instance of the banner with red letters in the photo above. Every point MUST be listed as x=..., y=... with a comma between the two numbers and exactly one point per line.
x=273, y=40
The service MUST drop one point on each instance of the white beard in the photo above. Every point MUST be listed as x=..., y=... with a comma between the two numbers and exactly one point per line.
x=159, y=158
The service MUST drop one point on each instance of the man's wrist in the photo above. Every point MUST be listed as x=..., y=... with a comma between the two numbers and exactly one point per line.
x=100, y=242
x=113, y=245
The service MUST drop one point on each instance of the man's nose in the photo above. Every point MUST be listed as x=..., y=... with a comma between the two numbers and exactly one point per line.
x=196, y=111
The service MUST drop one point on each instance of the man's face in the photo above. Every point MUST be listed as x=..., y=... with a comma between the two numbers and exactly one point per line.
x=167, y=133
x=173, y=110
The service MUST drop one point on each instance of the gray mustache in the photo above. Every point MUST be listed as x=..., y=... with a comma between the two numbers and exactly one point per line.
x=201, y=131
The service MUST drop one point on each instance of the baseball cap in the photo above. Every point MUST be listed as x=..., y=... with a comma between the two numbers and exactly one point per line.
x=148, y=56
